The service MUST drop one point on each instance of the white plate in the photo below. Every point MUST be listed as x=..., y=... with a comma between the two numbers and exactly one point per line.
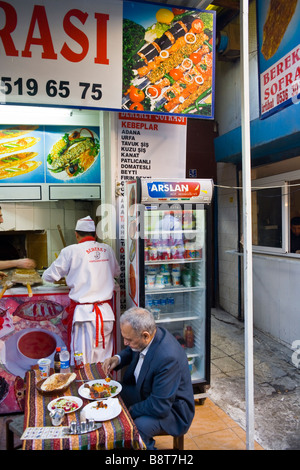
x=77, y=400
x=113, y=410
x=85, y=392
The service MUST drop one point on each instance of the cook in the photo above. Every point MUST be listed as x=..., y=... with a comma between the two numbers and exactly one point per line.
x=24, y=263
x=89, y=268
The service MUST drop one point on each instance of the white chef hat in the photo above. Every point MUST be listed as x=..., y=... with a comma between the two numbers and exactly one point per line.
x=85, y=225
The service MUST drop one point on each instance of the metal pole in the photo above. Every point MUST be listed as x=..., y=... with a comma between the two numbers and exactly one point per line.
x=247, y=224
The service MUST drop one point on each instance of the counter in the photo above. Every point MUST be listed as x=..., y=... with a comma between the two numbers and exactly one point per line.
x=20, y=314
x=37, y=289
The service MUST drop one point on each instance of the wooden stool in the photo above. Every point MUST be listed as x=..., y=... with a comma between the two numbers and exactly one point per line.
x=14, y=426
x=178, y=441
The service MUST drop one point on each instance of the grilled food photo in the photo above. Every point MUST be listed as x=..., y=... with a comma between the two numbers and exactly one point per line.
x=73, y=153
x=15, y=159
x=16, y=131
x=279, y=15
x=18, y=169
x=17, y=145
x=172, y=69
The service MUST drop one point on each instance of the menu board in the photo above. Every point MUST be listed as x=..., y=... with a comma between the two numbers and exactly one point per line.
x=49, y=154
x=148, y=146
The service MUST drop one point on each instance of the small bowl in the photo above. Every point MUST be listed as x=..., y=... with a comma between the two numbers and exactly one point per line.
x=35, y=344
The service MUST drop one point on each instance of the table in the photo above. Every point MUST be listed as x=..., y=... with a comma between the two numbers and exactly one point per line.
x=118, y=433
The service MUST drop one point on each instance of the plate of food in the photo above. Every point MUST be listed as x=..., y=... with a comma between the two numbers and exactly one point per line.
x=73, y=154
x=99, y=388
x=55, y=383
x=102, y=410
x=68, y=403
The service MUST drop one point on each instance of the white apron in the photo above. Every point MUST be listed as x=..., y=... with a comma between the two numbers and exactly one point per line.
x=89, y=269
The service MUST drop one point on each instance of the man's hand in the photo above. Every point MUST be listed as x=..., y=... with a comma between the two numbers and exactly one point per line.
x=26, y=263
x=109, y=364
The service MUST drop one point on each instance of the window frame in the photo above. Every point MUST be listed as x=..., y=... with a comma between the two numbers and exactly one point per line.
x=280, y=180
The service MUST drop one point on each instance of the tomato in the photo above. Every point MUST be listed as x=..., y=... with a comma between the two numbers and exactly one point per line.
x=136, y=106
x=136, y=94
x=154, y=91
x=195, y=57
x=197, y=25
x=178, y=11
x=176, y=74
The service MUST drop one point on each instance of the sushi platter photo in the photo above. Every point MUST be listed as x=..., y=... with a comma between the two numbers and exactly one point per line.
x=168, y=60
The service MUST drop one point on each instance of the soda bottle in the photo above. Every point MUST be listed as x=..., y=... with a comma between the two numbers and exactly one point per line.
x=64, y=360
x=189, y=337
x=57, y=361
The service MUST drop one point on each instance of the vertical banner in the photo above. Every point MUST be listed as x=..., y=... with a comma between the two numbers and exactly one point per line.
x=132, y=259
x=278, y=54
x=149, y=146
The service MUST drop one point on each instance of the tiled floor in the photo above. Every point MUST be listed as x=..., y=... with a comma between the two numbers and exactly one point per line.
x=211, y=429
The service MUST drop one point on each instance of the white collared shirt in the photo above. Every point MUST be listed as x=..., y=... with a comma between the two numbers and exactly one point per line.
x=141, y=360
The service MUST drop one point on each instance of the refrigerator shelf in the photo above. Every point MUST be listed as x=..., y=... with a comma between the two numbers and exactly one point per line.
x=172, y=232
x=174, y=318
x=172, y=290
x=173, y=261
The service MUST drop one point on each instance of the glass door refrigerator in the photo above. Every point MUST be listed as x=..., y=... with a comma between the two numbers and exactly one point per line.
x=167, y=262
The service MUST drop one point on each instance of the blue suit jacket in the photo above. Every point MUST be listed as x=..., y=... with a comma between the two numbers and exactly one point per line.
x=164, y=388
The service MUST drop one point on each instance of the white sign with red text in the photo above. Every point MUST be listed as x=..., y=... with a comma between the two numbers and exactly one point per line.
x=280, y=82
x=61, y=53
x=151, y=146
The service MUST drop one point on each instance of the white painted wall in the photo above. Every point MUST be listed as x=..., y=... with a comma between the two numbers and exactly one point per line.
x=275, y=278
x=276, y=297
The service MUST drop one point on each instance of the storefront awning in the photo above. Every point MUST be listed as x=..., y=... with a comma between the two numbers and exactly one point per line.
x=272, y=139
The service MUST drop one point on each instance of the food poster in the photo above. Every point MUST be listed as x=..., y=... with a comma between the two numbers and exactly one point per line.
x=26, y=321
x=49, y=154
x=168, y=60
x=278, y=54
x=72, y=155
x=22, y=154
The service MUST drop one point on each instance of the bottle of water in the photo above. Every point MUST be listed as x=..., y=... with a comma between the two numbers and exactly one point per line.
x=64, y=360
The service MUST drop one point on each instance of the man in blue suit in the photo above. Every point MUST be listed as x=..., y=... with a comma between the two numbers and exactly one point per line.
x=157, y=385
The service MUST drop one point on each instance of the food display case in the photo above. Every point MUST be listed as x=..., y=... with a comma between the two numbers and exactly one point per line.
x=168, y=262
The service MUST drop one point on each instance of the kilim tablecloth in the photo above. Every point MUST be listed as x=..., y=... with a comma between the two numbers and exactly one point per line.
x=118, y=433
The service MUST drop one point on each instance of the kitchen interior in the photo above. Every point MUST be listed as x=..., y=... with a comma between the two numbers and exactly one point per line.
x=39, y=220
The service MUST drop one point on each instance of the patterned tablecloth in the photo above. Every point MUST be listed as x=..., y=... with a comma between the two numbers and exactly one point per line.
x=118, y=433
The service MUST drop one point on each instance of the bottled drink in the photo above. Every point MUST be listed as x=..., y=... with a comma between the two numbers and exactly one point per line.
x=64, y=360
x=189, y=337
x=78, y=359
x=57, y=361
